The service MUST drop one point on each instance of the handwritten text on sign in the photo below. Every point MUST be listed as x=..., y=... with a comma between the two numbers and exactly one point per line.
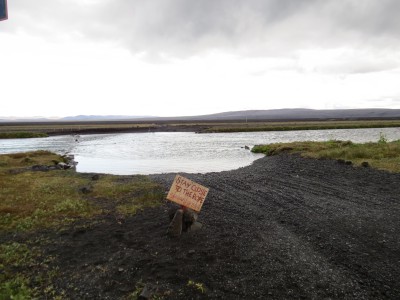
x=187, y=193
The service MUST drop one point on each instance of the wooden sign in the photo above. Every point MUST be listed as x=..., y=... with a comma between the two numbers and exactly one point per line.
x=187, y=193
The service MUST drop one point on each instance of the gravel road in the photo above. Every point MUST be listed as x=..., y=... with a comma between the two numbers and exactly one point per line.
x=284, y=227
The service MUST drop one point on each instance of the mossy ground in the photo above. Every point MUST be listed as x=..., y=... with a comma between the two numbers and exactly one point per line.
x=33, y=201
x=21, y=135
x=300, y=125
x=381, y=155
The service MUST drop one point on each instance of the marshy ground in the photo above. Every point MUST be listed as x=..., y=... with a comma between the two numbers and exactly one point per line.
x=285, y=227
x=43, y=129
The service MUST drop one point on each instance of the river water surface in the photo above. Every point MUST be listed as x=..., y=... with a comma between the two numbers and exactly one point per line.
x=162, y=152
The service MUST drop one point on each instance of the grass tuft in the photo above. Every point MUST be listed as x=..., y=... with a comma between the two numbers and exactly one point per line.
x=30, y=200
x=130, y=194
x=300, y=125
x=380, y=155
x=33, y=200
x=22, y=135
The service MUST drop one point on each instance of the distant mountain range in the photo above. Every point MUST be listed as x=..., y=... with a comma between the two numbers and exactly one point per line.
x=250, y=115
x=303, y=114
x=102, y=118
x=79, y=118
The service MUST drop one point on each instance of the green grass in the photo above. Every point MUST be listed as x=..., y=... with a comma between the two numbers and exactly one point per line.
x=301, y=125
x=130, y=194
x=15, y=288
x=201, y=127
x=381, y=155
x=14, y=131
x=26, y=272
x=13, y=282
x=198, y=286
x=31, y=200
x=22, y=135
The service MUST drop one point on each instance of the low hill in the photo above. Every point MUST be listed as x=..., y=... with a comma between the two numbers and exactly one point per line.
x=301, y=114
x=255, y=115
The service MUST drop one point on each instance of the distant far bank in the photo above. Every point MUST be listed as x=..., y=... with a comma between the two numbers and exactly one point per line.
x=291, y=114
x=35, y=129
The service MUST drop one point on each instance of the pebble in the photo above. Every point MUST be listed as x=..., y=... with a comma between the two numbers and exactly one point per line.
x=195, y=226
x=96, y=177
x=147, y=292
x=85, y=189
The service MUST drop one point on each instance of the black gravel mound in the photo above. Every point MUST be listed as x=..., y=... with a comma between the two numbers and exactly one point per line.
x=284, y=227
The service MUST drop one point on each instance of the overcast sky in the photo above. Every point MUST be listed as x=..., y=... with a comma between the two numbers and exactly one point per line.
x=191, y=57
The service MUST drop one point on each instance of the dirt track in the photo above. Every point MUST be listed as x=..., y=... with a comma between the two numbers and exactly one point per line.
x=285, y=227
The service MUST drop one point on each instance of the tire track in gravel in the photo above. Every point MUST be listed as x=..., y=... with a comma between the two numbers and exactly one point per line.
x=284, y=227
x=314, y=228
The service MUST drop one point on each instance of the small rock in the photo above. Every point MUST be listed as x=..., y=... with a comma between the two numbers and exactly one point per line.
x=15, y=171
x=125, y=289
x=85, y=189
x=63, y=166
x=175, y=227
x=365, y=164
x=40, y=168
x=195, y=226
x=146, y=293
x=191, y=252
x=348, y=162
x=96, y=177
x=120, y=269
x=189, y=215
x=27, y=160
x=247, y=147
x=68, y=157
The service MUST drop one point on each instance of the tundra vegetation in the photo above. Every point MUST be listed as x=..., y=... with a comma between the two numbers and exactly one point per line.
x=299, y=125
x=22, y=135
x=33, y=201
x=381, y=155
x=23, y=130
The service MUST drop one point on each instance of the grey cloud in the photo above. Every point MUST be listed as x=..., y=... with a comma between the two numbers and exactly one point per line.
x=185, y=27
x=181, y=28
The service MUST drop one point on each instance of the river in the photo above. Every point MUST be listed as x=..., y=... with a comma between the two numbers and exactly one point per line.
x=163, y=152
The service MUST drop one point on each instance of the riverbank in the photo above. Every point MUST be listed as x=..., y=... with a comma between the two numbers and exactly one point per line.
x=22, y=135
x=284, y=227
x=381, y=155
x=81, y=128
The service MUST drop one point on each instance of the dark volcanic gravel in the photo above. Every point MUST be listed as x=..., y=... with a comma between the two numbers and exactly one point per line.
x=284, y=227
